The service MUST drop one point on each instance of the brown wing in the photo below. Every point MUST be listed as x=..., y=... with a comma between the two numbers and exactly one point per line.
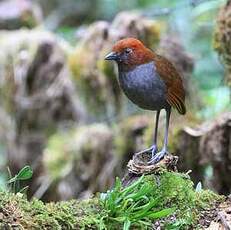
x=173, y=81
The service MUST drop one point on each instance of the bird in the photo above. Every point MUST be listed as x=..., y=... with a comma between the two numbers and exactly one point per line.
x=151, y=82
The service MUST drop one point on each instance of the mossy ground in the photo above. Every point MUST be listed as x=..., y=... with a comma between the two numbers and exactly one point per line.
x=17, y=213
x=175, y=190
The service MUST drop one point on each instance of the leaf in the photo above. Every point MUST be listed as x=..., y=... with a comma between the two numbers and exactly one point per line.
x=23, y=190
x=118, y=184
x=127, y=225
x=13, y=179
x=103, y=196
x=9, y=172
x=132, y=186
x=144, y=189
x=160, y=214
x=25, y=173
x=144, y=210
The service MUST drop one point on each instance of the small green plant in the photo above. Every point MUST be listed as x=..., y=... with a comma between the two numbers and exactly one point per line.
x=14, y=182
x=133, y=204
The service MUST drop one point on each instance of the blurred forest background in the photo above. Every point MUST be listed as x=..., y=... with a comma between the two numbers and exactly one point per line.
x=61, y=109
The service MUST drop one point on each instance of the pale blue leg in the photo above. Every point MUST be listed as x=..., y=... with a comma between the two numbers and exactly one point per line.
x=154, y=147
x=158, y=156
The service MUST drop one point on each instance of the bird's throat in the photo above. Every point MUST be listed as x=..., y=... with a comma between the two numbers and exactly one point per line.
x=122, y=67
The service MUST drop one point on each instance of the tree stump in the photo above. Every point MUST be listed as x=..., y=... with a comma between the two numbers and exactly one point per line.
x=139, y=166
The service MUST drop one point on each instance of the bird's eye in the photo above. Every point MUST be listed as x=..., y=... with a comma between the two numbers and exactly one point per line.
x=128, y=50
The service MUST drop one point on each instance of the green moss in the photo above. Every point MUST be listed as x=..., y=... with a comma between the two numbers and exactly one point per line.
x=168, y=190
x=176, y=190
x=153, y=31
x=59, y=154
x=16, y=211
x=88, y=78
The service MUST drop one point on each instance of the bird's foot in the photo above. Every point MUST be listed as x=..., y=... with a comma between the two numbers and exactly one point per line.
x=146, y=152
x=152, y=149
x=157, y=157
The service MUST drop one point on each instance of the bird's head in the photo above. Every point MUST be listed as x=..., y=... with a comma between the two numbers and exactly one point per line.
x=130, y=52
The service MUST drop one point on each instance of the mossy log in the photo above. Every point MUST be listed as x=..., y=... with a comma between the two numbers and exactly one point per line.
x=18, y=213
x=75, y=172
x=193, y=208
x=206, y=151
x=70, y=157
x=80, y=163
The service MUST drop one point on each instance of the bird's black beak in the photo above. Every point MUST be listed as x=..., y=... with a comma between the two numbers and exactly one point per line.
x=112, y=56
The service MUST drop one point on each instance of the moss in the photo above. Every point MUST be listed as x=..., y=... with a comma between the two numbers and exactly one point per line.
x=153, y=30
x=69, y=149
x=88, y=78
x=174, y=190
x=59, y=154
x=16, y=211
x=18, y=52
x=129, y=131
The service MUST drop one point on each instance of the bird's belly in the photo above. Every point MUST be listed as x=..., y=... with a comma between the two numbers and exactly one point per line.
x=144, y=87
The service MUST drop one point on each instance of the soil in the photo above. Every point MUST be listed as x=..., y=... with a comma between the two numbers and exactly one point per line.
x=218, y=218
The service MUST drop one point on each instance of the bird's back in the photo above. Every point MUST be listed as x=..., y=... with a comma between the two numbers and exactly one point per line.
x=173, y=81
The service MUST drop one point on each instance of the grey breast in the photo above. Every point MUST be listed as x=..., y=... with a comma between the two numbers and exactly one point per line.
x=144, y=87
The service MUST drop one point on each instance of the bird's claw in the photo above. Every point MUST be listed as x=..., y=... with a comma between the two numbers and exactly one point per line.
x=153, y=150
x=157, y=157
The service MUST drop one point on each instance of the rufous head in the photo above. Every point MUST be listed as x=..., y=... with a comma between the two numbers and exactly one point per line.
x=130, y=52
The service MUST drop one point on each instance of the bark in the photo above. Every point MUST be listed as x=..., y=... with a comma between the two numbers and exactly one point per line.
x=215, y=149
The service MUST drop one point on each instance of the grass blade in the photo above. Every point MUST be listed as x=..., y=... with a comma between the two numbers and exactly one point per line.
x=161, y=214
x=25, y=173
x=127, y=225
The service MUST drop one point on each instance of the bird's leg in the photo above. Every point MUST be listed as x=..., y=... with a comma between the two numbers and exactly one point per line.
x=154, y=147
x=158, y=156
